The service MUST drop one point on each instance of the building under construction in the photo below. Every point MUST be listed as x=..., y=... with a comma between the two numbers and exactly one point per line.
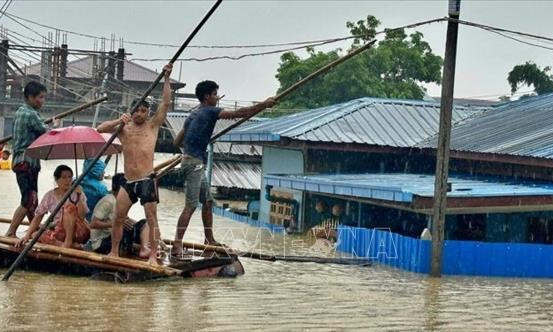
x=72, y=76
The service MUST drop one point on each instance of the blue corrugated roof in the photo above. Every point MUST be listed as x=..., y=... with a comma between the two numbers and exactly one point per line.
x=374, y=121
x=176, y=122
x=523, y=128
x=402, y=187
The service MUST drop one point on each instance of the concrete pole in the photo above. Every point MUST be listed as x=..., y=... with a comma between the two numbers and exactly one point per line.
x=100, y=93
x=442, y=157
x=4, y=46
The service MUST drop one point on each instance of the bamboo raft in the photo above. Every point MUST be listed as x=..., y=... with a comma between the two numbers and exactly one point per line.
x=54, y=259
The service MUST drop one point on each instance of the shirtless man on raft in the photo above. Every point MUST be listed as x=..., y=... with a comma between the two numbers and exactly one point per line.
x=138, y=139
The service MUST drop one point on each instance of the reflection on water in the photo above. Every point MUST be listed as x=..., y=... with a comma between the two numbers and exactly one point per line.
x=272, y=296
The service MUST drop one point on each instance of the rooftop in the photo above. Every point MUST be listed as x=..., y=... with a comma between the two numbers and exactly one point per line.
x=84, y=67
x=176, y=122
x=522, y=128
x=417, y=190
x=373, y=121
x=231, y=174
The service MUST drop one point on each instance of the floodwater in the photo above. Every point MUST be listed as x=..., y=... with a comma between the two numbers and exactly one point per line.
x=270, y=296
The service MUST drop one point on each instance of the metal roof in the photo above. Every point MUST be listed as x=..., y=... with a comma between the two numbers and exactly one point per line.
x=176, y=121
x=374, y=121
x=402, y=187
x=232, y=174
x=83, y=68
x=523, y=127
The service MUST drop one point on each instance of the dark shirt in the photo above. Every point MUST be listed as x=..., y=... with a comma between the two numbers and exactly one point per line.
x=198, y=129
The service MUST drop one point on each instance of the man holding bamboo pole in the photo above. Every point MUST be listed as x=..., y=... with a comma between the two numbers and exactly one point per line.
x=194, y=138
x=138, y=138
x=28, y=126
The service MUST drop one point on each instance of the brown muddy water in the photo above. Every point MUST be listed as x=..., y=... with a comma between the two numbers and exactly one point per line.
x=270, y=296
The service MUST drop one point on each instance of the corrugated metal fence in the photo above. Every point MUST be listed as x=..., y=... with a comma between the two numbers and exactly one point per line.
x=460, y=257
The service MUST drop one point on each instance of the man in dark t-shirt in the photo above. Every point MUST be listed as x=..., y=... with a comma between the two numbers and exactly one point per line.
x=194, y=138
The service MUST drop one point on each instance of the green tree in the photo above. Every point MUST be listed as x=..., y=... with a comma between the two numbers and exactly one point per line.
x=396, y=67
x=531, y=74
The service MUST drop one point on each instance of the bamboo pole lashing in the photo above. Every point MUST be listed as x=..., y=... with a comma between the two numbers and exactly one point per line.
x=99, y=258
x=41, y=255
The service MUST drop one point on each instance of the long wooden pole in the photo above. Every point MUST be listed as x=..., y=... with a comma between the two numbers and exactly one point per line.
x=271, y=258
x=444, y=136
x=41, y=255
x=167, y=162
x=64, y=114
x=299, y=84
x=169, y=167
x=259, y=256
x=105, y=147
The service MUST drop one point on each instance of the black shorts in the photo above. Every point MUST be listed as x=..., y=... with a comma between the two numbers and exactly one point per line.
x=27, y=180
x=129, y=238
x=145, y=189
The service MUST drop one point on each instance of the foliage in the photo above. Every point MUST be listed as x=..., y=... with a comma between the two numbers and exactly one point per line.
x=396, y=68
x=531, y=74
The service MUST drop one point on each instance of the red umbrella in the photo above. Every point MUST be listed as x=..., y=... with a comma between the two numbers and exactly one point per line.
x=70, y=143
x=76, y=142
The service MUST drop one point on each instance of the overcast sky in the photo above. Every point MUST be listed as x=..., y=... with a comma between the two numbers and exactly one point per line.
x=483, y=59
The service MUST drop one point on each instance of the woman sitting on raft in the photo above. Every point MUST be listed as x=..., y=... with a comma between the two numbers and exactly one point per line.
x=71, y=230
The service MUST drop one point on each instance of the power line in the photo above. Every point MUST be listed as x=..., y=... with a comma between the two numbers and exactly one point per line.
x=176, y=46
x=327, y=41
x=489, y=27
x=3, y=10
x=114, y=80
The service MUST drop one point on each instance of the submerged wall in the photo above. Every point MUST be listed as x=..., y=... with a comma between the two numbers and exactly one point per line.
x=460, y=257
x=279, y=161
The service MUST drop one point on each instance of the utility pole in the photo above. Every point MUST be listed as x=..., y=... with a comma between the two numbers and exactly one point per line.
x=444, y=136
x=100, y=94
x=4, y=46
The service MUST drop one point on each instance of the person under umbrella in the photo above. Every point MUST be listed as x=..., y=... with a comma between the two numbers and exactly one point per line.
x=93, y=185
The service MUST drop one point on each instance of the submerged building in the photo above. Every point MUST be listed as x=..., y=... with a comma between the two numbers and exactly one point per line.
x=367, y=165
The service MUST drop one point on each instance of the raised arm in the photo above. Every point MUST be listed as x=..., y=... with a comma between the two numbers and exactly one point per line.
x=161, y=113
x=246, y=112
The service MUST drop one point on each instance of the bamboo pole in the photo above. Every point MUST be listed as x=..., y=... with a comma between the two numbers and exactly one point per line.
x=105, y=147
x=9, y=221
x=259, y=256
x=99, y=258
x=167, y=162
x=169, y=167
x=271, y=258
x=299, y=84
x=40, y=255
x=64, y=114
